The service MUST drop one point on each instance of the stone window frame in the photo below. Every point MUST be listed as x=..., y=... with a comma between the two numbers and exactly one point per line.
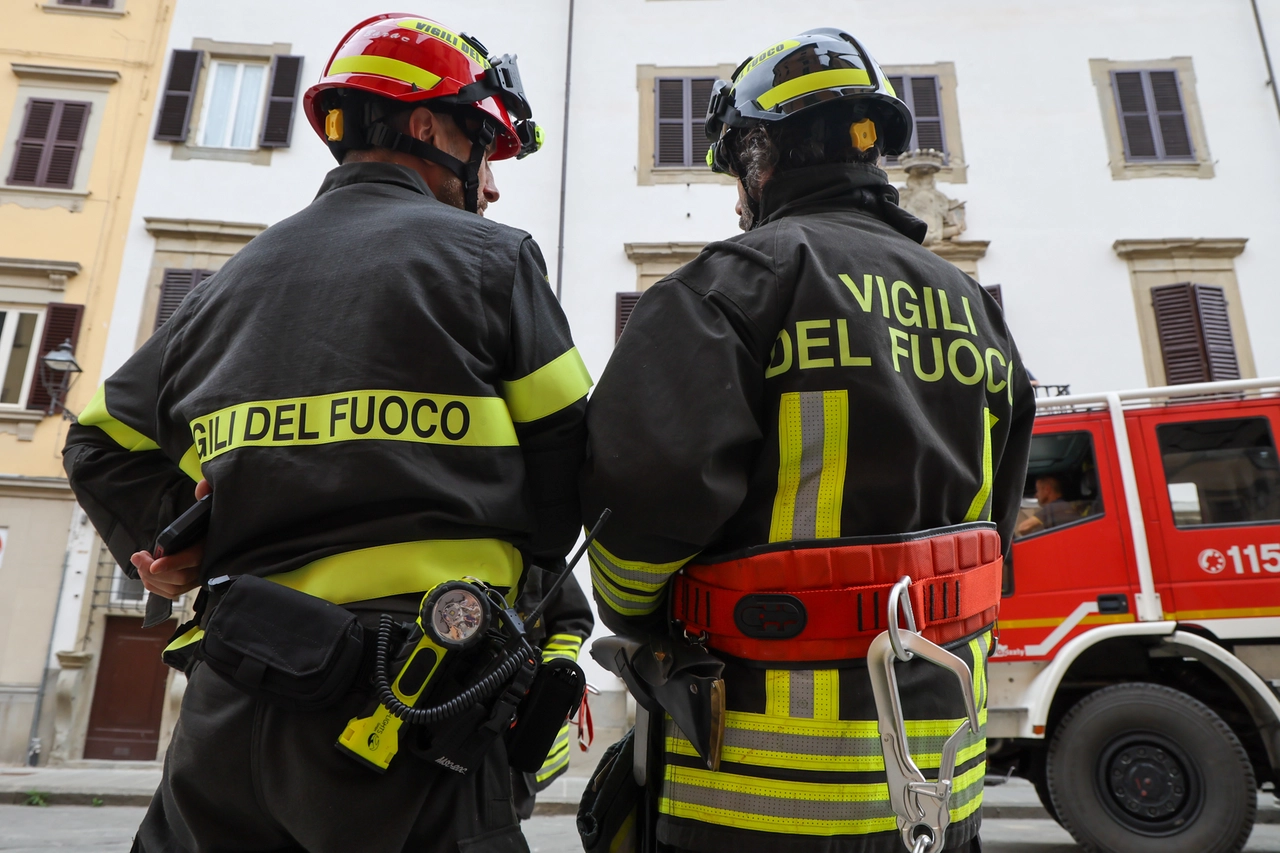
x=212, y=51
x=646, y=173
x=33, y=283
x=57, y=84
x=655, y=261
x=957, y=169
x=1172, y=261
x=1121, y=169
x=188, y=244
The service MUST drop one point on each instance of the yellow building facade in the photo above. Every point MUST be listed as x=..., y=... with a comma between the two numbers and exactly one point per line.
x=78, y=81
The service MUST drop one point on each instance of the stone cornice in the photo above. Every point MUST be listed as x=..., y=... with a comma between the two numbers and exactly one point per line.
x=53, y=273
x=681, y=252
x=208, y=229
x=96, y=76
x=35, y=487
x=1180, y=247
x=960, y=250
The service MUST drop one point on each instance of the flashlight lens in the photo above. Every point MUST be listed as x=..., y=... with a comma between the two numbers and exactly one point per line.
x=458, y=615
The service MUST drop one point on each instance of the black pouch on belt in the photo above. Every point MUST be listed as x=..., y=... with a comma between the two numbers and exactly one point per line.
x=556, y=692
x=281, y=645
x=609, y=815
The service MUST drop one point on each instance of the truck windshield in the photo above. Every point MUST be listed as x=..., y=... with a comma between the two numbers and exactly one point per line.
x=1221, y=472
x=1062, y=484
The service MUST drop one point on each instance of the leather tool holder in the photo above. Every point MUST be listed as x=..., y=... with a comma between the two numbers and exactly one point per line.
x=676, y=677
x=281, y=645
x=556, y=693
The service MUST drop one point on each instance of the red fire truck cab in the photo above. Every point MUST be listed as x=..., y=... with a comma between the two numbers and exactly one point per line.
x=1134, y=679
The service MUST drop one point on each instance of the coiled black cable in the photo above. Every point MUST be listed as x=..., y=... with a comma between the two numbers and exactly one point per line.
x=478, y=692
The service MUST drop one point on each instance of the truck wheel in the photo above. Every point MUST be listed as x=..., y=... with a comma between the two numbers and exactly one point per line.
x=1141, y=768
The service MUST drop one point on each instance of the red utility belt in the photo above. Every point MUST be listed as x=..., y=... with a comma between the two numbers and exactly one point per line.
x=829, y=603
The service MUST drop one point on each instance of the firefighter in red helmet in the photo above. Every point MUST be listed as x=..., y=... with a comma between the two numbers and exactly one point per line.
x=390, y=428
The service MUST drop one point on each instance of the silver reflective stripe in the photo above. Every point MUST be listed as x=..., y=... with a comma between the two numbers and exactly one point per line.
x=782, y=807
x=812, y=431
x=793, y=744
x=638, y=576
x=802, y=691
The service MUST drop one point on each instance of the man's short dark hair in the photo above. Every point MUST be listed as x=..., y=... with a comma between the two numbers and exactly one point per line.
x=816, y=137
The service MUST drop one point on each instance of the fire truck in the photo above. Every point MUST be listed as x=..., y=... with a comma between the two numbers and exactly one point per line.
x=1134, y=680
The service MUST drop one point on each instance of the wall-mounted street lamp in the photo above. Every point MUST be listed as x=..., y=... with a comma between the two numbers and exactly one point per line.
x=58, y=370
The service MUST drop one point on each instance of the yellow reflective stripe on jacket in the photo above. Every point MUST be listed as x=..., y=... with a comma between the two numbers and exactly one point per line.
x=358, y=415
x=557, y=759
x=770, y=805
x=813, y=445
x=405, y=567
x=631, y=587
x=96, y=415
x=556, y=385
x=385, y=66
x=803, y=85
x=566, y=646
x=979, y=510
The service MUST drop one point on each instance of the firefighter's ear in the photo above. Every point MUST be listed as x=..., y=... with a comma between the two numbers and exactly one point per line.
x=423, y=125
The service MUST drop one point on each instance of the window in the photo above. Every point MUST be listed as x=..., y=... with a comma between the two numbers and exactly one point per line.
x=48, y=145
x=930, y=90
x=245, y=94
x=174, y=288
x=17, y=353
x=921, y=93
x=1062, y=484
x=231, y=105
x=626, y=304
x=673, y=109
x=996, y=293
x=1221, y=472
x=1195, y=333
x=61, y=324
x=1151, y=118
x=1189, y=332
x=681, y=109
x=96, y=4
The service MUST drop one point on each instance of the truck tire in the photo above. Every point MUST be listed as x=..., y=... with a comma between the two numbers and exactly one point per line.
x=1142, y=768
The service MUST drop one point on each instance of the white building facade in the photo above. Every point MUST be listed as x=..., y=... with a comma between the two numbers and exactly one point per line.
x=1100, y=149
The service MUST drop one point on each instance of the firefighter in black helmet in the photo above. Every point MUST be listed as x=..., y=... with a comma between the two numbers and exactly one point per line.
x=791, y=423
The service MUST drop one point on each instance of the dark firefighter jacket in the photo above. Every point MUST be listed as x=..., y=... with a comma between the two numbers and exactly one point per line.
x=381, y=390
x=818, y=377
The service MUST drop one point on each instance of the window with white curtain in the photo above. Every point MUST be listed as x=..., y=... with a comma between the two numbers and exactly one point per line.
x=18, y=331
x=233, y=104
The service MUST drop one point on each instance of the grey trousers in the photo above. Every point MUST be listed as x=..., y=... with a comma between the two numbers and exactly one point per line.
x=244, y=775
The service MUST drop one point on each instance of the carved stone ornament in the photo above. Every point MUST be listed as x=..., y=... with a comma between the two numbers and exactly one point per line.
x=922, y=198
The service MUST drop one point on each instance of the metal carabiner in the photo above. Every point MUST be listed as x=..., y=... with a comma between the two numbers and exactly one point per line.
x=896, y=606
x=923, y=808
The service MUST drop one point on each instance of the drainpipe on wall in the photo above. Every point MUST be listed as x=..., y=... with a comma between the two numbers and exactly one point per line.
x=564, y=151
x=33, y=742
x=1266, y=55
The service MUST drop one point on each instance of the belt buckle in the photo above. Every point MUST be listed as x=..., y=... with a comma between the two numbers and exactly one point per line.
x=922, y=807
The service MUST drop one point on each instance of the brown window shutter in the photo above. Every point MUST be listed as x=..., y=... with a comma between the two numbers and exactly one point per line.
x=174, y=288
x=669, y=106
x=626, y=304
x=61, y=323
x=996, y=294
x=48, y=146
x=1195, y=333
x=179, y=93
x=699, y=100
x=96, y=4
x=282, y=95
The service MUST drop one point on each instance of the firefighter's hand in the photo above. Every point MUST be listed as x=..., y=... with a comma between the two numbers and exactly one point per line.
x=173, y=574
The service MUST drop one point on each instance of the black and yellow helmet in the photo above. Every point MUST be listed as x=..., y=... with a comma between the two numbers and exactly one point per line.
x=817, y=67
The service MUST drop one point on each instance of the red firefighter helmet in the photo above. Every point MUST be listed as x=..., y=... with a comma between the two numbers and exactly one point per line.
x=410, y=59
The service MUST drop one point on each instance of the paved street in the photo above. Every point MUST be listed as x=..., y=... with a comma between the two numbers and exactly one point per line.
x=83, y=829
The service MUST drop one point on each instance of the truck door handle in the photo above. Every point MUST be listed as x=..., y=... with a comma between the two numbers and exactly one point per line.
x=1113, y=603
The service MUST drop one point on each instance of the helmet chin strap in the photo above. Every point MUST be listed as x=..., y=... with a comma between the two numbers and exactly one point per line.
x=467, y=171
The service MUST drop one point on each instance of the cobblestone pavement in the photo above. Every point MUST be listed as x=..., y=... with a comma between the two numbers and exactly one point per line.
x=83, y=829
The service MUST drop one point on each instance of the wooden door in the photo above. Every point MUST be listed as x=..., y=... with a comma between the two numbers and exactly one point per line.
x=128, y=699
